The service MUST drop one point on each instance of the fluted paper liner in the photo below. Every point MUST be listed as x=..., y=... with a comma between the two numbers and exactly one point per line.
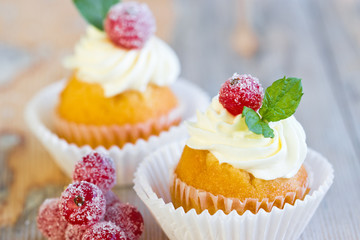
x=189, y=198
x=152, y=184
x=107, y=136
x=39, y=117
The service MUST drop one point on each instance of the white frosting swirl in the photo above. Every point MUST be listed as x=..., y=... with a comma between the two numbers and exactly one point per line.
x=230, y=141
x=116, y=69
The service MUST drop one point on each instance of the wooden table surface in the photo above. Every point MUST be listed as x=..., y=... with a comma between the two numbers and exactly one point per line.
x=318, y=41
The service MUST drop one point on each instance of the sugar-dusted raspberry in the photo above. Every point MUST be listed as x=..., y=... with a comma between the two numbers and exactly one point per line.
x=127, y=217
x=104, y=231
x=96, y=168
x=111, y=198
x=49, y=220
x=130, y=24
x=74, y=232
x=239, y=91
x=82, y=203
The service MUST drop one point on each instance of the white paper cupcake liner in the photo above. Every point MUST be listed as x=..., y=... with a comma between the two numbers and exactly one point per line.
x=107, y=136
x=39, y=117
x=190, y=197
x=152, y=181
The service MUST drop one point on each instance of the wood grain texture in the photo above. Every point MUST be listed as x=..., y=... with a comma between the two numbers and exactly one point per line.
x=244, y=40
x=316, y=40
x=30, y=165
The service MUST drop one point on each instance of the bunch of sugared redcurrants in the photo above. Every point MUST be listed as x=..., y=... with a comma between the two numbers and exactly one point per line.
x=88, y=209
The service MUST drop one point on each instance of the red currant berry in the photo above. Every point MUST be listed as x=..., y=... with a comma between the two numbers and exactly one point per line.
x=96, y=168
x=50, y=222
x=127, y=217
x=240, y=91
x=104, y=231
x=74, y=232
x=111, y=198
x=82, y=203
x=130, y=24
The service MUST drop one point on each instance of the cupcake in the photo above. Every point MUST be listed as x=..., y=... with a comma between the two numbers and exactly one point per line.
x=245, y=172
x=123, y=97
x=244, y=167
x=119, y=90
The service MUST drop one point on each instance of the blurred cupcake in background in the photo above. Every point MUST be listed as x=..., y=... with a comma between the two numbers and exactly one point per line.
x=122, y=96
x=119, y=91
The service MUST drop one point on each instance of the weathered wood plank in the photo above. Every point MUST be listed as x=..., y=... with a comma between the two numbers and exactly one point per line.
x=290, y=42
x=30, y=165
x=343, y=59
x=339, y=59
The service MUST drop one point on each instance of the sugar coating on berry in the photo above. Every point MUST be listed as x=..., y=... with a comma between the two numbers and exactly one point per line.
x=49, y=220
x=239, y=91
x=96, y=168
x=130, y=24
x=82, y=203
x=127, y=217
x=104, y=231
x=111, y=198
x=74, y=232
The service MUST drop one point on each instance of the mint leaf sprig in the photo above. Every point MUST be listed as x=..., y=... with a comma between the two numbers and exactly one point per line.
x=280, y=102
x=94, y=11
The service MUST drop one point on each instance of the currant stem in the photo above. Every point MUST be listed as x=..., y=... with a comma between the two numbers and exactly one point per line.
x=79, y=200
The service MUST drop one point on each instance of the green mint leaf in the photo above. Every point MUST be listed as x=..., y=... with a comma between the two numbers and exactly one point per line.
x=281, y=99
x=94, y=11
x=256, y=124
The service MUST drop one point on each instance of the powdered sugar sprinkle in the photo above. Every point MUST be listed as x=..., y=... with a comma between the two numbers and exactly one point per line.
x=90, y=212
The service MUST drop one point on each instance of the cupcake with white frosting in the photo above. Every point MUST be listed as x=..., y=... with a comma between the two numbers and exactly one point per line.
x=243, y=169
x=245, y=172
x=124, y=96
x=119, y=90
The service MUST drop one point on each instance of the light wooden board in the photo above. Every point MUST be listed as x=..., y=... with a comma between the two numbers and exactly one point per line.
x=316, y=40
